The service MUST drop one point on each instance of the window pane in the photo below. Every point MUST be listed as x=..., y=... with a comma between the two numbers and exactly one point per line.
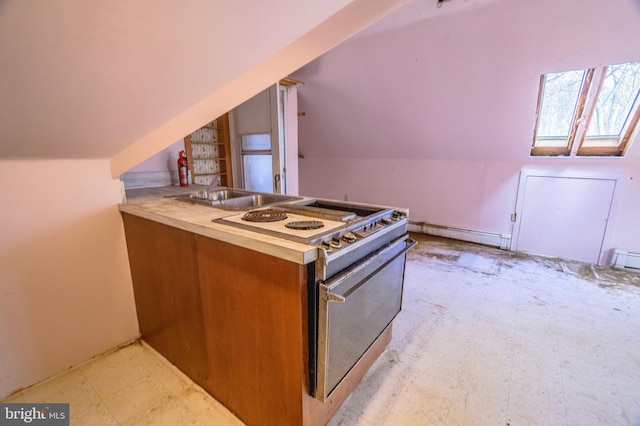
x=257, y=172
x=261, y=142
x=559, y=101
x=617, y=97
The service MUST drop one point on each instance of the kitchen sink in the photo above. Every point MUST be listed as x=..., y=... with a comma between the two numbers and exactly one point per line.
x=220, y=195
x=234, y=199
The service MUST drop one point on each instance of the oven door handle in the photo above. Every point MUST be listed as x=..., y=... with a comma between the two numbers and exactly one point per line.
x=336, y=281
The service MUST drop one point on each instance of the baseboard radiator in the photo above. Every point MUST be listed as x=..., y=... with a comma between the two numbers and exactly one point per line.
x=493, y=239
x=625, y=259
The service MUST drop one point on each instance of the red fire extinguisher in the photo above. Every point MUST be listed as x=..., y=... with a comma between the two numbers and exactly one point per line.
x=183, y=170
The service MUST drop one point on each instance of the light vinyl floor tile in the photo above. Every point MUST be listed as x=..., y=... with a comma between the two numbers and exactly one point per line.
x=486, y=337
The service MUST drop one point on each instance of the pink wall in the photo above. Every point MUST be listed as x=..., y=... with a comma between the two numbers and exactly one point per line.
x=65, y=287
x=436, y=191
x=437, y=115
x=162, y=161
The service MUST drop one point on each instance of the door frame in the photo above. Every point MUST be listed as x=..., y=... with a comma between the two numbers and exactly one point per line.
x=617, y=176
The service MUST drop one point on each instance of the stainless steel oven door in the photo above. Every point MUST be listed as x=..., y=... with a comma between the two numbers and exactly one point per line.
x=355, y=307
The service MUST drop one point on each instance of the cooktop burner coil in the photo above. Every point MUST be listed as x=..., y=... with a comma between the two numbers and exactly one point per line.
x=268, y=215
x=302, y=225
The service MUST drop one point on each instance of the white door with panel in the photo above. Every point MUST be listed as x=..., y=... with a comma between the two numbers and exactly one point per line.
x=565, y=217
x=260, y=142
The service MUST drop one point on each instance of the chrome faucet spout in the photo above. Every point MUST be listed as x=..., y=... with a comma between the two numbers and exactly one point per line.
x=216, y=182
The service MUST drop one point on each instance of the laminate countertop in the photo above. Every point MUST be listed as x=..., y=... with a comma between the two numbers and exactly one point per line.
x=157, y=204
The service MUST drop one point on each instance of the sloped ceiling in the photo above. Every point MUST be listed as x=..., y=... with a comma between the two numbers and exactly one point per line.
x=426, y=83
x=124, y=79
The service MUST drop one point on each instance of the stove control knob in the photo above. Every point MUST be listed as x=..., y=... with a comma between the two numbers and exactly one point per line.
x=335, y=243
x=327, y=246
x=397, y=215
x=349, y=237
x=385, y=221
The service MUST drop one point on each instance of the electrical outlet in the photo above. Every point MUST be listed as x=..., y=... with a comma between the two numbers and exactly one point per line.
x=513, y=217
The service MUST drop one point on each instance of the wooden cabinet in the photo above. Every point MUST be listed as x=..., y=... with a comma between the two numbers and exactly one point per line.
x=209, y=153
x=234, y=320
x=255, y=314
x=167, y=293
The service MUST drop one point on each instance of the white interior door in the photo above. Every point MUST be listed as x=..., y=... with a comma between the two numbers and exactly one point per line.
x=565, y=217
x=257, y=143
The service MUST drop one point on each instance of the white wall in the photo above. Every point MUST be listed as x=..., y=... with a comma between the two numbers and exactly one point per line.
x=437, y=115
x=65, y=286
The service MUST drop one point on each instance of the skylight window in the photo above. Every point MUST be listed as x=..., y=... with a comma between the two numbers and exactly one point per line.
x=593, y=112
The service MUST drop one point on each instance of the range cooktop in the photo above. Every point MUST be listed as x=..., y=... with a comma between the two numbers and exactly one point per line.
x=331, y=224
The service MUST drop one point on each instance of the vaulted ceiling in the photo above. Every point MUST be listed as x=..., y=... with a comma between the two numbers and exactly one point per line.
x=122, y=80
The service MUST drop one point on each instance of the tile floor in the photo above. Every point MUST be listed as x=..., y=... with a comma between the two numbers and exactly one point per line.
x=486, y=337
x=130, y=386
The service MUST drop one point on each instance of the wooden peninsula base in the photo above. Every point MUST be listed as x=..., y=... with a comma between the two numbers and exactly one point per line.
x=234, y=320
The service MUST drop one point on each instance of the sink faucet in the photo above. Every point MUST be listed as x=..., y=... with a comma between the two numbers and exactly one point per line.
x=204, y=195
x=217, y=181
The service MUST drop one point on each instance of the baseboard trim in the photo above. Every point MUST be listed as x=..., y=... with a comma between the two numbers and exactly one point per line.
x=502, y=241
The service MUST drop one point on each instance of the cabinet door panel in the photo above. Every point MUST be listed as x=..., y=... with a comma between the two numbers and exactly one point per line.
x=254, y=308
x=165, y=284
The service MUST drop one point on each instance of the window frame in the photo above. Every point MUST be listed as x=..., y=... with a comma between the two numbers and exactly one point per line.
x=590, y=89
